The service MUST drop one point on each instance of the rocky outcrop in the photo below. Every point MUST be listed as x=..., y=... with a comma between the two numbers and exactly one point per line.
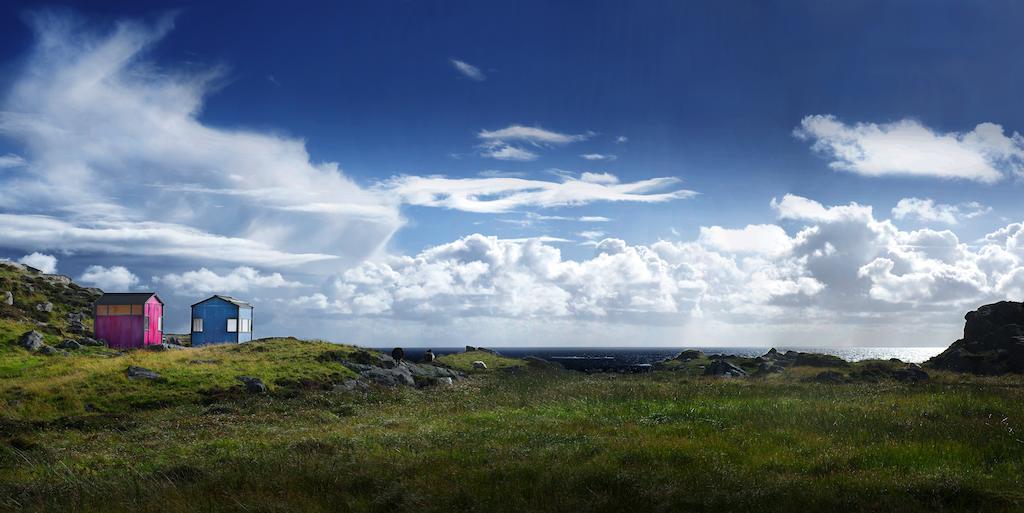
x=384, y=370
x=31, y=340
x=69, y=345
x=470, y=349
x=137, y=373
x=252, y=384
x=724, y=369
x=689, y=354
x=993, y=342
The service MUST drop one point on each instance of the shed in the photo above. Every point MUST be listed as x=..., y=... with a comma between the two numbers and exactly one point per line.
x=126, y=320
x=221, y=319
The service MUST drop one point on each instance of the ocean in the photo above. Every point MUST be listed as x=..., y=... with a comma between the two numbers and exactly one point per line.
x=638, y=355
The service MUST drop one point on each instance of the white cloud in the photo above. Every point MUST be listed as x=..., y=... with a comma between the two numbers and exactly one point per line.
x=621, y=139
x=507, y=152
x=599, y=156
x=468, y=70
x=111, y=279
x=767, y=239
x=113, y=139
x=43, y=262
x=907, y=147
x=927, y=210
x=593, y=219
x=10, y=160
x=496, y=195
x=498, y=144
x=240, y=279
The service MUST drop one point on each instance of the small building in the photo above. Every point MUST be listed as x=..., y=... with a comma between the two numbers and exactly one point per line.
x=129, y=320
x=221, y=320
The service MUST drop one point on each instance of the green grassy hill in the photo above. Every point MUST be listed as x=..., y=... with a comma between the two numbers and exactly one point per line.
x=31, y=293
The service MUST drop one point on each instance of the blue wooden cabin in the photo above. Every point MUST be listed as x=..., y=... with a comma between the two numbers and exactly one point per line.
x=221, y=320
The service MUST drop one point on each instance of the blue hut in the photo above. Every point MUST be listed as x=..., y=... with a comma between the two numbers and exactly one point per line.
x=221, y=320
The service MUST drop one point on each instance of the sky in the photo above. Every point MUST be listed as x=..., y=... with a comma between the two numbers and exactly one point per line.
x=526, y=173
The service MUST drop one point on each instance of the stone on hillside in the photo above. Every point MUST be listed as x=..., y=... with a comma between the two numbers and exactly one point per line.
x=31, y=340
x=388, y=377
x=724, y=369
x=470, y=349
x=45, y=307
x=993, y=342
x=253, y=385
x=829, y=377
x=135, y=372
x=479, y=365
x=689, y=354
x=88, y=341
x=8, y=298
x=910, y=374
x=69, y=344
x=48, y=350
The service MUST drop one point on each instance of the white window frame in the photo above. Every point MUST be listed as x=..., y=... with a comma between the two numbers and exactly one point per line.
x=233, y=325
x=160, y=323
x=197, y=321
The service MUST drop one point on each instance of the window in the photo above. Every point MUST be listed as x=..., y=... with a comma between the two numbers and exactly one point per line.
x=136, y=310
x=197, y=325
x=145, y=324
x=232, y=325
x=160, y=324
x=245, y=325
x=102, y=310
x=119, y=310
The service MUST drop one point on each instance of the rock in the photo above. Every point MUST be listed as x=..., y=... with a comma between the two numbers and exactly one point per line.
x=818, y=360
x=689, y=354
x=142, y=373
x=394, y=376
x=829, y=377
x=87, y=341
x=253, y=385
x=428, y=357
x=724, y=369
x=7, y=297
x=993, y=342
x=69, y=344
x=48, y=350
x=479, y=365
x=769, y=367
x=57, y=279
x=370, y=358
x=45, y=307
x=772, y=354
x=31, y=340
x=398, y=354
x=350, y=385
x=911, y=374
x=76, y=327
x=470, y=349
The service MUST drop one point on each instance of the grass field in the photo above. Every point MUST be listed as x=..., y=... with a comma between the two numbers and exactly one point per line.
x=500, y=441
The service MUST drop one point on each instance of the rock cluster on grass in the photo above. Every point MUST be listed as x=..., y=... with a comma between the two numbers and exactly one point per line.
x=385, y=370
x=135, y=372
x=252, y=384
x=993, y=342
x=33, y=342
x=724, y=369
x=470, y=349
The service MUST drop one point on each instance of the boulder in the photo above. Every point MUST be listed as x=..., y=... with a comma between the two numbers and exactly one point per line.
x=394, y=376
x=772, y=354
x=725, y=369
x=135, y=372
x=48, y=350
x=252, y=384
x=76, y=327
x=87, y=341
x=689, y=354
x=69, y=344
x=479, y=365
x=45, y=307
x=829, y=377
x=7, y=297
x=31, y=340
x=910, y=374
x=993, y=342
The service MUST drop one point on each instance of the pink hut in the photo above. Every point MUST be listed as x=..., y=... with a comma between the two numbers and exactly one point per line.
x=129, y=320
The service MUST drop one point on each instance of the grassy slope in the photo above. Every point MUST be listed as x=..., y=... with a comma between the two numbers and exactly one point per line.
x=43, y=388
x=464, y=361
x=502, y=442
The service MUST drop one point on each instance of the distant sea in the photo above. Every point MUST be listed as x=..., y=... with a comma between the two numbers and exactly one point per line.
x=635, y=355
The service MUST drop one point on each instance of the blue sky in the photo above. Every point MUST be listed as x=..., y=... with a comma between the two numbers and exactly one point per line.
x=325, y=142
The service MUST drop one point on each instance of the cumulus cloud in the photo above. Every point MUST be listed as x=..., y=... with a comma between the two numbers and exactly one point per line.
x=239, y=279
x=111, y=141
x=43, y=262
x=111, y=279
x=496, y=195
x=11, y=160
x=926, y=210
x=907, y=147
x=767, y=239
x=468, y=70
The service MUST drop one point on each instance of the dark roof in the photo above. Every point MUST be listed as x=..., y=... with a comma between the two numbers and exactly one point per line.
x=126, y=298
x=229, y=299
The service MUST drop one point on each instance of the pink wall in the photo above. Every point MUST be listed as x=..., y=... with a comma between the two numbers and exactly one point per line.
x=154, y=310
x=125, y=331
